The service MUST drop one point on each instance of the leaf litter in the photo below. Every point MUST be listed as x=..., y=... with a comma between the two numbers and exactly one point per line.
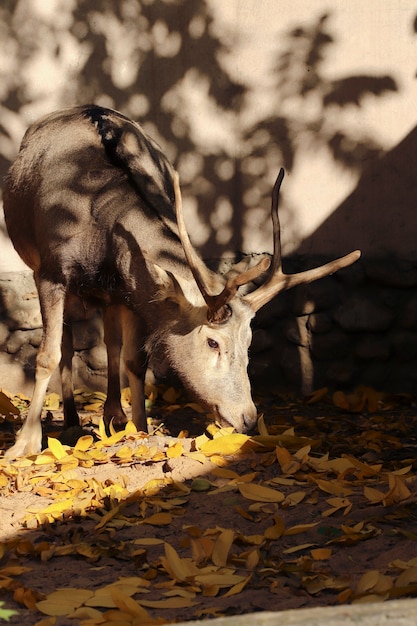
x=123, y=528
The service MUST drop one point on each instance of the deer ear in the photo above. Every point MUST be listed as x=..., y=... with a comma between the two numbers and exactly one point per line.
x=170, y=289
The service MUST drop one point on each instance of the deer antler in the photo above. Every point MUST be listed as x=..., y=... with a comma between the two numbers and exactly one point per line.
x=218, y=312
x=277, y=280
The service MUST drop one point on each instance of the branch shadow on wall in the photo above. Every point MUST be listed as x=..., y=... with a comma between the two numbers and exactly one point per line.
x=143, y=59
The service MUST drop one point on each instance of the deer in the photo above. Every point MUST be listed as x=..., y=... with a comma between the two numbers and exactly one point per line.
x=94, y=208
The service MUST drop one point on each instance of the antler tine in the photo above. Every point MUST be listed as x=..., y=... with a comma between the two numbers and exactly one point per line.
x=215, y=303
x=278, y=281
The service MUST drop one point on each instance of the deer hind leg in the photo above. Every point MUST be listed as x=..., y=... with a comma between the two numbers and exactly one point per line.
x=71, y=417
x=51, y=298
x=135, y=360
x=113, y=339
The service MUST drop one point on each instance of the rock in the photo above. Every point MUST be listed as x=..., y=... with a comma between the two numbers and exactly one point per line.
x=332, y=345
x=376, y=374
x=341, y=372
x=15, y=341
x=404, y=344
x=278, y=308
x=35, y=337
x=321, y=295
x=361, y=313
x=295, y=331
x=261, y=340
x=19, y=299
x=392, y=272
x=4, y=333
x=96, y=358
x=87, y=333
x=373, y=347
x=354, y=275
x=289, y=360
x=408, y=318
x=319, y=323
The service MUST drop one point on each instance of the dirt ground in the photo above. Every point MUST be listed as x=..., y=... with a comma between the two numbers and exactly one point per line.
x=319, y=509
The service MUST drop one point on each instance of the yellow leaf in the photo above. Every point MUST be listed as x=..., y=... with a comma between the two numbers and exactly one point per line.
x=403, y=471
x=406, y=577
x=94, y=407
x=115, y=438
x=48, y=621
x=112, y=429
x=64, y=601
x=124, y=453
x=260, y=493
x=174, y=450
x=321, y=554
x=102, y=430
x=287, y=463
x=159, y=519
x=148, y=541
x=262, y=426
x=303, y=546
x=373, y=495
x=237, y=588
x=294, y=498
x=222, y=547
x=367, y=581
x=222, y=579
x=51, y=401
x=56, y=448
x=130, y=428
x=126, y=397
x=84, y=613
x=276, y=530
x=84, y=443
x=398, y=488
x=229, y=444
x=108, y=516
x=125, y=603
x=333, y=487
x=178, y=566
x=169, y=603
x=340, y=400
x=45, y=458
x=337, y=504
x=299, y=528
x=220, y=461
x=317, y=395
x=366, y=470
x=223, y=472
x=6, y=405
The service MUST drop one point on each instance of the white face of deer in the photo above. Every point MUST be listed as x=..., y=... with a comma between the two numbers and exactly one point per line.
x=212, y=359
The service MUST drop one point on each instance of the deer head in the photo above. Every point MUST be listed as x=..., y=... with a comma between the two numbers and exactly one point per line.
x=213, y=360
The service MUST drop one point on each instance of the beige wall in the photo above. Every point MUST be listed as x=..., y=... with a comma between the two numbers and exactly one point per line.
x=206, y=138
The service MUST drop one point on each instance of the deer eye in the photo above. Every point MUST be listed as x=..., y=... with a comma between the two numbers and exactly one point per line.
x=212, y=343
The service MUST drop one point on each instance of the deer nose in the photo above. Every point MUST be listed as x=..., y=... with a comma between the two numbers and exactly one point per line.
x=249, y=421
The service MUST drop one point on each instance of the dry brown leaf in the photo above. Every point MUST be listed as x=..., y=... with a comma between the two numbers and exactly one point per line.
x=259, y=493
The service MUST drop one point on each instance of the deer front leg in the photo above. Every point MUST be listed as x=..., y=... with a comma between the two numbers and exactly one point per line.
x=51, y=298
x=135, y=360
x=113, y=339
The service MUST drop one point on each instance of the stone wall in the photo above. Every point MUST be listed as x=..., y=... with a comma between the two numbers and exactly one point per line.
x=357, y=326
